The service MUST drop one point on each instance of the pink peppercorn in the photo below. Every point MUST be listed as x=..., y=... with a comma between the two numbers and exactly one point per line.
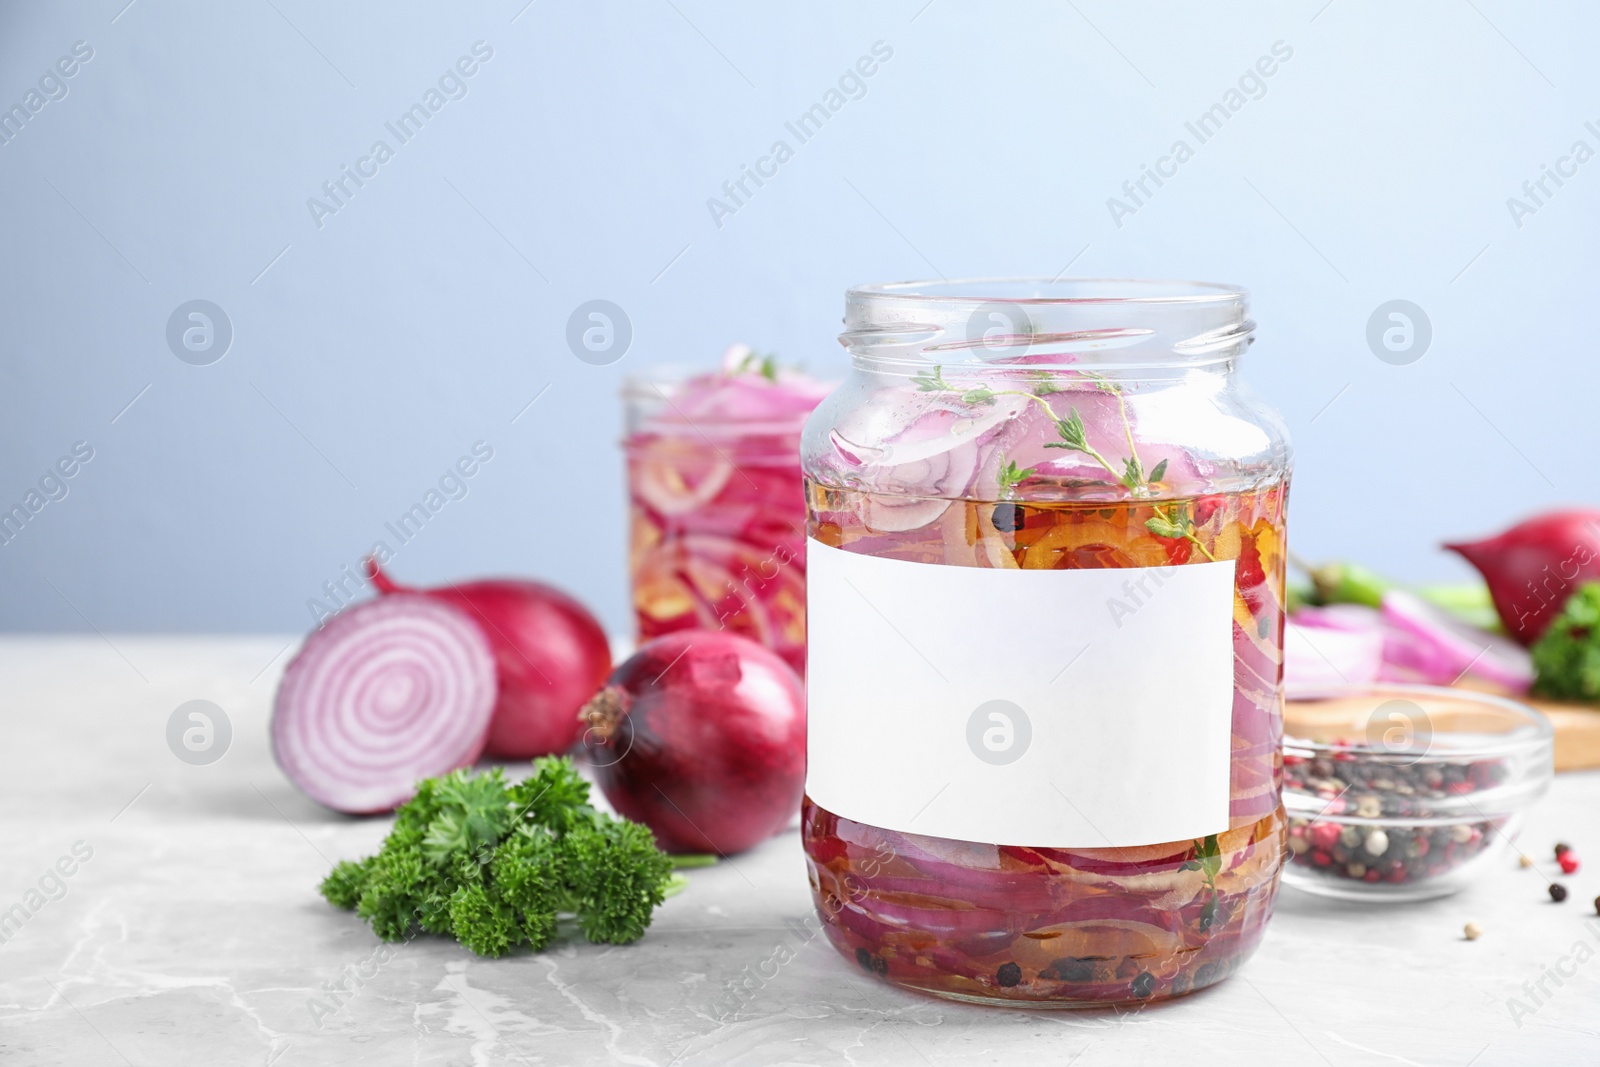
x=1569, y=862
x=1324, y=835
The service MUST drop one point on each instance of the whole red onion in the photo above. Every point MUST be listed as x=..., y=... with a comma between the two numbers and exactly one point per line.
x=1532, y=567
x=549, y=655
x=701, y=736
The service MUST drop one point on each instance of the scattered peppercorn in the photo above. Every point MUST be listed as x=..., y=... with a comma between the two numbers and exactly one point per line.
x=1597, y=905
x=1472, y=931
x=1558, y=892
x=1008, y=975
x=1524, y=860
x=1569, y=862
x=1562, y=850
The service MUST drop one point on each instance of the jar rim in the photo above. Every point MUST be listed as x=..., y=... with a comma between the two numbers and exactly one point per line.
x=985, y=290
x=1121, y=325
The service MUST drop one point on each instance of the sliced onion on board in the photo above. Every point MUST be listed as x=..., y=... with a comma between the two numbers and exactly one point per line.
x=1319, y=656
x=1456, y=646
x=388, y=692
x=1419, y=643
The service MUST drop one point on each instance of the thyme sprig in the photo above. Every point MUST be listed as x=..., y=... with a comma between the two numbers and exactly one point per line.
x=1174, y=522
x=1009, y=476
x=1168, y=521
x=764, y=365
x=1207, y=859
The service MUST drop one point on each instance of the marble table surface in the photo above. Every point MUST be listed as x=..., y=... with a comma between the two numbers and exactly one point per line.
x=190, y=931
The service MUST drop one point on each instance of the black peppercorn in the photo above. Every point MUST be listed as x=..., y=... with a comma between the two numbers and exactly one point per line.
x=1558, y=892
x=1008, y=518
x=1008, y=975
x=1562, y=848
x=1070, y=969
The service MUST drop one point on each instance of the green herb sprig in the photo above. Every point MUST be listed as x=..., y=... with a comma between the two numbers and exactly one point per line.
x=1174, y=522
x=765, y=365
x=1566, y=658
x=1009, y=475
x=1208, y=860
x=496, y=864
x=1170, y=522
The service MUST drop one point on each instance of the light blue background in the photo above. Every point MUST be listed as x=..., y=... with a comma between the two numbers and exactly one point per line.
x=378, y=348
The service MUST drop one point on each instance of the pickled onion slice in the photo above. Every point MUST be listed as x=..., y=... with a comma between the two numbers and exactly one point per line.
x=388, y=692
x=709, y=582
x=741, y=393
x=679, y=488
x=923, y=463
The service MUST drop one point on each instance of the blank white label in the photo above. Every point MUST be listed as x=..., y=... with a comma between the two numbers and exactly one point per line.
x=1057, y=709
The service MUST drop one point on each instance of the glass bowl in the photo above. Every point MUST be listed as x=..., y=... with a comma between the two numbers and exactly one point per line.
x=1405, y=792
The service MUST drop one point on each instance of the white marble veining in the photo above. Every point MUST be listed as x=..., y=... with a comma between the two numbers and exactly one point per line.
x=194, y=932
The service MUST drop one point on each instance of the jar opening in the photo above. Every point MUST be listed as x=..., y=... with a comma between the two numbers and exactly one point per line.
x=1070, y=323
x=1059, y=291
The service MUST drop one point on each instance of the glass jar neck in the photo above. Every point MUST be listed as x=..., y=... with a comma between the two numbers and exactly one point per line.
x=1013, y=327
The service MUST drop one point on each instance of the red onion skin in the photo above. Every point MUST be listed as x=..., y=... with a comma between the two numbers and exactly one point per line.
x=709, y=750
x=1531, y=568
x=550, y=654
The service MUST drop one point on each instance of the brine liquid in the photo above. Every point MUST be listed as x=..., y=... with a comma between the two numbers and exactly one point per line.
x=717, y=538
x=1075, y=927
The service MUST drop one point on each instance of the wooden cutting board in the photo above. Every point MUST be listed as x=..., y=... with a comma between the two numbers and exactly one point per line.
x=1577, y=726
x=1577, y=732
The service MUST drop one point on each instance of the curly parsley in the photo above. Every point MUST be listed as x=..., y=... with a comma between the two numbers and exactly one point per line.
x=495, y=864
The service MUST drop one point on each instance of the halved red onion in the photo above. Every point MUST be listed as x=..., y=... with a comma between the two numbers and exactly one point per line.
x=388, y=692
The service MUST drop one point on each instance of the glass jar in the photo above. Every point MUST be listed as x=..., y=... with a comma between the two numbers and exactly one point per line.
x=716, y=504
x=1046, y=564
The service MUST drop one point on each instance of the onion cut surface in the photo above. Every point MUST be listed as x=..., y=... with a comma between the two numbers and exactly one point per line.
x=388, y=692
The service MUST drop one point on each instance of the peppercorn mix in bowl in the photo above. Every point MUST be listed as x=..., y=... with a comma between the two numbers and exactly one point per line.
x=1402, y=792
